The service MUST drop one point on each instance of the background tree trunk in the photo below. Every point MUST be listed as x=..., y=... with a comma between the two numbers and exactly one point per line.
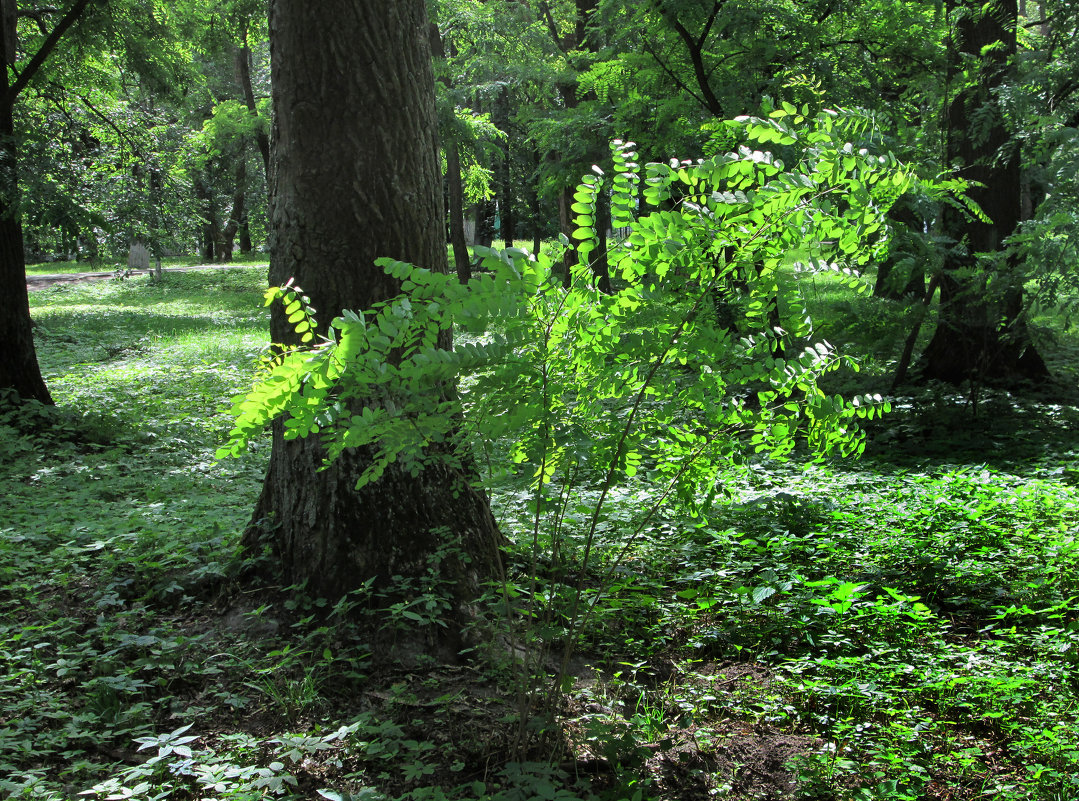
x=981, y=334
x=454, y=186
x=455, y=191
x=243, y=75
x=356, y=176
x=506, y=190
x=19, y=369
x=238, y=211
x=906, y=224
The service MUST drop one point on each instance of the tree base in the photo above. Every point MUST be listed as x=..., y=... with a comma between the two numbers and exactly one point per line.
x=422, y=545
x=982, y=356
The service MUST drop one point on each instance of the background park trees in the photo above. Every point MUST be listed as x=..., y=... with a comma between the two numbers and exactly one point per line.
x=153, y=124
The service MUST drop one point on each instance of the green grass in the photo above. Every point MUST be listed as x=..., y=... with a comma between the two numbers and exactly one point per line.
x=901, y=627
x=105, y=266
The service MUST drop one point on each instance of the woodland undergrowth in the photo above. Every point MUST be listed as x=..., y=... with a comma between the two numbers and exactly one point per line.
x=900, y=626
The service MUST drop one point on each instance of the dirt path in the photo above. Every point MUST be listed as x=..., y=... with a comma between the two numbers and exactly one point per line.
x=44, y=281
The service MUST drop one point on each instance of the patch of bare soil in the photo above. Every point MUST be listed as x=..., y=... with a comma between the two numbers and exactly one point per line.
x=717, y=753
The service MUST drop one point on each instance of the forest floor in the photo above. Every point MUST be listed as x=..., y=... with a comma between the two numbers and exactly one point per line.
x=904, y=626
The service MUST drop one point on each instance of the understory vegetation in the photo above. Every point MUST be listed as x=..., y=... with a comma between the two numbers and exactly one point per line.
x=901, y=626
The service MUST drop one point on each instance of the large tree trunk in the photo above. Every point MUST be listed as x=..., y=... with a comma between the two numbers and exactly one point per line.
x=981, y=334
x=356, y=176
x=19, y=369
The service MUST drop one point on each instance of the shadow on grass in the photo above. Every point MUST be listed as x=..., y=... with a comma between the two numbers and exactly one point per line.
x=1028, y=433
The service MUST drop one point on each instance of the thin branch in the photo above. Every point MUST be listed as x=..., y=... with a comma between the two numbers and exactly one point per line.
x=719, y=60
x=670, y=74
x=716, y=6
x=552, y=26
x=696, y=57
x=1063, y=93
x=39, y=15
x=46, y=49
x=1035, y=23
x=124, y=135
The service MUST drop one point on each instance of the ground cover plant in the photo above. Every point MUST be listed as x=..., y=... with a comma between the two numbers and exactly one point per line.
x=903, y=626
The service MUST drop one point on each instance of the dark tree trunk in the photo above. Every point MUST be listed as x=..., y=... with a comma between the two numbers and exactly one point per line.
x=485, y=223
x=456, y=193
x=696, y=45
x=534, y=205
x=207, y=233
x=356, y=176
x=506, y=193
x=565, y=224
x=245, y=235
x=981, y=334
x=19, y=369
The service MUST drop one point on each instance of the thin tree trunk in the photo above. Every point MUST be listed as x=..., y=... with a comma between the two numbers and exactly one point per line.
x=600, y=266
x=506, y=192
x=356, y=176
x=912, y=337
x=904, y=219
x=461, y=262
x=243, y=74
x=238, y=212
x=454, y=185
x=565, y=224
x=534, y=206
x=245, y=235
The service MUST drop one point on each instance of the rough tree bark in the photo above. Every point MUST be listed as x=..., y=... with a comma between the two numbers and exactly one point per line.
x=981, y=334
x=356, y=176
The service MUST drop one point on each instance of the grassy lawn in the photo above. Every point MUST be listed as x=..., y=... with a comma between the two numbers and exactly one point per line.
x=904, y=626
x=71, y=267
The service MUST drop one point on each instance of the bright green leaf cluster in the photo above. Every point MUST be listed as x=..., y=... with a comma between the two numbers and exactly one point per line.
x=701, y=351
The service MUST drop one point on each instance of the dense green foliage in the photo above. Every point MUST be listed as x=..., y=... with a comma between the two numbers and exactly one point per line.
x=734, y=565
